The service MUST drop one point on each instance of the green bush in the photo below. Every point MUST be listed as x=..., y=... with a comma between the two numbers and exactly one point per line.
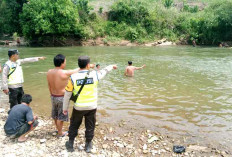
x=168, y=3
x=131, y=34
x=49, y=18
x=129, y=11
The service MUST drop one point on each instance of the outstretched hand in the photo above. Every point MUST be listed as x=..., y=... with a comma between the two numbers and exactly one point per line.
x=144, y=66
x=92, y=66
x=115, y=67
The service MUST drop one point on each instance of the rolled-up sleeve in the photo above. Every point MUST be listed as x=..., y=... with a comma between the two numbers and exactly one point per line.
x=104, y=71
x=67, y=94
x=29, y=60
x=4, y=77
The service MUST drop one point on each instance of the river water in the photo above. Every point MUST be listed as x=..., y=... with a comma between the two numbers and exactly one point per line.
x=182, y=90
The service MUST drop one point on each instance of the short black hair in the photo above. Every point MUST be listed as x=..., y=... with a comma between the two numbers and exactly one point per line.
x=130, y=62
x=58, y=60
x=27, y=98
x=97, y=65
x=83, y=61
x=11, y=52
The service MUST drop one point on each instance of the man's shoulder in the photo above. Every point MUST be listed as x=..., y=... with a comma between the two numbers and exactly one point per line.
x=20, y=108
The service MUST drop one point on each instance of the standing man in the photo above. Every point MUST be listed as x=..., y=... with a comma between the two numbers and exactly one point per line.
x=57, y=80
x=21, y=120
x=130, y=69
x=86, y=103
x=12, y=76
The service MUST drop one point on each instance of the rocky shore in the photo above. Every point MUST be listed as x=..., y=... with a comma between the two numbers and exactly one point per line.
x=109, y=141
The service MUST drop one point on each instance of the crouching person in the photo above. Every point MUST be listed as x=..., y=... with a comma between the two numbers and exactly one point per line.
x=21, y=120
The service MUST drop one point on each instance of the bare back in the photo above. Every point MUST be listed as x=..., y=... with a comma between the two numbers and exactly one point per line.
x=57, y=80
x=130, y=71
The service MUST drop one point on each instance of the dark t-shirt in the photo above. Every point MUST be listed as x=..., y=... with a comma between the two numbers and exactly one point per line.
x=19, y=115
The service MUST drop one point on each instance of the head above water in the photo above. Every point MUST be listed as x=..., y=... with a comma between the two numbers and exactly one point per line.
x=26, y=99
x=98, y=66
x=59, y=61
x=129, y=62
x=13, y=54
x=84, y=62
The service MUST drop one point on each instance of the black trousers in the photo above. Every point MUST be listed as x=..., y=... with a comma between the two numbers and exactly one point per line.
x=76, y=120
x=15, y=96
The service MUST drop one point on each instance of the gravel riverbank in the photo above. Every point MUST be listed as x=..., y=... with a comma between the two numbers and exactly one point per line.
x=109, y=140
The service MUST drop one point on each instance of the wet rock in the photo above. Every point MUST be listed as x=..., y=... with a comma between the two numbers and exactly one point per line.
x=163, y=150
x=120, y=145
x=145, y=151
x=144, y=147
x=197, y=148
x=154, y=138
x=43, y=140
x=167, y=149
x=115, y=154
x=102, y=132
x=111, y=130
x=104, y=146
x=2, y=110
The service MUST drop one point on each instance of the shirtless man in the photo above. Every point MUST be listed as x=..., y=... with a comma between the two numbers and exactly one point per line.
x=130, y=69
x=57, y=80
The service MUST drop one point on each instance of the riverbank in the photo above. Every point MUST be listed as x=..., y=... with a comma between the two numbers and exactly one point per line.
x=110, y=140
x=92, y=42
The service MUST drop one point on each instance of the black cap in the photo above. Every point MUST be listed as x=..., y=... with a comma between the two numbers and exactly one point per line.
x=12, y=52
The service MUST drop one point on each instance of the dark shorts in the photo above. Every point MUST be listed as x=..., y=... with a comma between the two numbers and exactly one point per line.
x=57, y=108
x=24, y=129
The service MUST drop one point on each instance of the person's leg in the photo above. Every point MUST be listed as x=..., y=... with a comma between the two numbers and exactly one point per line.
x=26, y=129
x=61, y=117
x=54, y=113
x=75, y=123
x=59, y=128
x=90, y=120
x=20, y=95
x=13, y=97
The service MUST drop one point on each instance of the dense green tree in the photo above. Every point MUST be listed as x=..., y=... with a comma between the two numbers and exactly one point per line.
x=214, y=25
x=49, y=18
x=129, y=11
x=9, y=15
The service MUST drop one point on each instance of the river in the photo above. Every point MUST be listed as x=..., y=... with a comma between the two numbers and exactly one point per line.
x=183, y=90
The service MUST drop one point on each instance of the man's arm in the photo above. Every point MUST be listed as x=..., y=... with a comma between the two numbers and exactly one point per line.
x=32, y=59
x=4, y=79
x=31, y=122
x=68, y=73
x=67, y=96
x=49, y=87
x=104, y=71
x=138, y=68
x=30, y=118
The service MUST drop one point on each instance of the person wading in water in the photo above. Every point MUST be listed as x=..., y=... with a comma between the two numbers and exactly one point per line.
x=130, y=69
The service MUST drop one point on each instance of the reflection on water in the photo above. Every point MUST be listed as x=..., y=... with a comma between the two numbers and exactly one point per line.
x=182, y=89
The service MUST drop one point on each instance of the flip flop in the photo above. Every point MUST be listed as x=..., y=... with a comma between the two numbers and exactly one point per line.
x=63, y=135
x=23, y=140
